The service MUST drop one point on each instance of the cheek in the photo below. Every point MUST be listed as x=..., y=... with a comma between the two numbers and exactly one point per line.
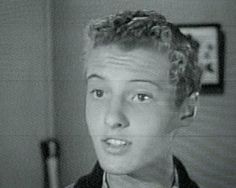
x=94, y=117
x=149, y=133
x=149, y=121
x=149, y=146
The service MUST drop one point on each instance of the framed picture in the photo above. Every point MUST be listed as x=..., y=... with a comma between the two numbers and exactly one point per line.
x=211, y=54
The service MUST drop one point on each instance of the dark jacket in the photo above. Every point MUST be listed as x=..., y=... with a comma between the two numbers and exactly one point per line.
x=95, y=178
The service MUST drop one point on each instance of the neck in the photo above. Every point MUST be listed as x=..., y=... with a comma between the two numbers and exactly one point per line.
x=158, y=175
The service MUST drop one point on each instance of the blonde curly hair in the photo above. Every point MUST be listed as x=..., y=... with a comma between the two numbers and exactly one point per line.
x=132, y=29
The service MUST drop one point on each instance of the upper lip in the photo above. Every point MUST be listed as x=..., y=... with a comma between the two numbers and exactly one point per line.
x=116, y=138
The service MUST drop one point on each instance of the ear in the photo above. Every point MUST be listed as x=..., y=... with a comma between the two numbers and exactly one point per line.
x=188, y=109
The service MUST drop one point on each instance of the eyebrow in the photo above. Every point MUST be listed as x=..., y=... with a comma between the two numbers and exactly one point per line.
x=147, y=81
x=95, y=76
x=134, y=80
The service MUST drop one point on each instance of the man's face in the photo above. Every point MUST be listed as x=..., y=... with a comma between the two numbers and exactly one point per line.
x=129, y=107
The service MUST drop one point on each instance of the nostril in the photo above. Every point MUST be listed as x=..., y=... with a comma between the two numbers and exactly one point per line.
x=119, y=125
x=116, y=120
x=115, y=116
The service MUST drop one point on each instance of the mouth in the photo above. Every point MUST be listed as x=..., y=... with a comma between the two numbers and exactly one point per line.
x=116, y=146
x=116, y=142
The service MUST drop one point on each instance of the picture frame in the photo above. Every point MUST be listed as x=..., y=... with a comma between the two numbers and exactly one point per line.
x=211, y=54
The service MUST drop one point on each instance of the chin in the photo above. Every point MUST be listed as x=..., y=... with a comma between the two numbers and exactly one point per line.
x=115, y=166
x=115, y=169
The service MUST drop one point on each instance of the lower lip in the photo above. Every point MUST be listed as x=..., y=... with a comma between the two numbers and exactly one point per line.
x=116, y=149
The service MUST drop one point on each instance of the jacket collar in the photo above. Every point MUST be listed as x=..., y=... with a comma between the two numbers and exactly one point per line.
x=94, y=179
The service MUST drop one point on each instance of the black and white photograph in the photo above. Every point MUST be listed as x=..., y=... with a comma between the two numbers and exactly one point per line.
x=117, y=94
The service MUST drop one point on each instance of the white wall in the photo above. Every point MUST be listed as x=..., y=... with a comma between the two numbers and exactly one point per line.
x=25, y=91
x=208, y=148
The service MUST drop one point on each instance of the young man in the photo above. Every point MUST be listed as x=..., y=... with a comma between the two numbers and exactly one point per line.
x=142, y=85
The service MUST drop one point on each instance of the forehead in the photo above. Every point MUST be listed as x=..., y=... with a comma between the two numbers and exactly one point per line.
x=116, y=63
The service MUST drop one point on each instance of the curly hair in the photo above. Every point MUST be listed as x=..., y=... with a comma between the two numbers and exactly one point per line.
x=132, y=29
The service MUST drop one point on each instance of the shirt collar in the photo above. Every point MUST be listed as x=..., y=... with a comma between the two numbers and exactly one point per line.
x=175, y=184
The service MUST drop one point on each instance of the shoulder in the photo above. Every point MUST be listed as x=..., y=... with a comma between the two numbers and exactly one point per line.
x=91, y=180
x=184, y=180
x=70, y=186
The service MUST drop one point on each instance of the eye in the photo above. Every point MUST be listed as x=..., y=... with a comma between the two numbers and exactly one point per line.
x=97, y=93
x=141, y=98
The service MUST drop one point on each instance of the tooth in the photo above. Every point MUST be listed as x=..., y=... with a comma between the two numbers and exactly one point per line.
x=116, y=142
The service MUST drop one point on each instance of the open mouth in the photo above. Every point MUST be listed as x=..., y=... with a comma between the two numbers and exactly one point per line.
x=116, y=146
x=116, y=142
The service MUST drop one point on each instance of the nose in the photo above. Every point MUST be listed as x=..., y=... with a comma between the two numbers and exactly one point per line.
x=115, y=116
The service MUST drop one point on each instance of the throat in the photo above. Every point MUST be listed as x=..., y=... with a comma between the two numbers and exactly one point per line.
x=159, y=177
